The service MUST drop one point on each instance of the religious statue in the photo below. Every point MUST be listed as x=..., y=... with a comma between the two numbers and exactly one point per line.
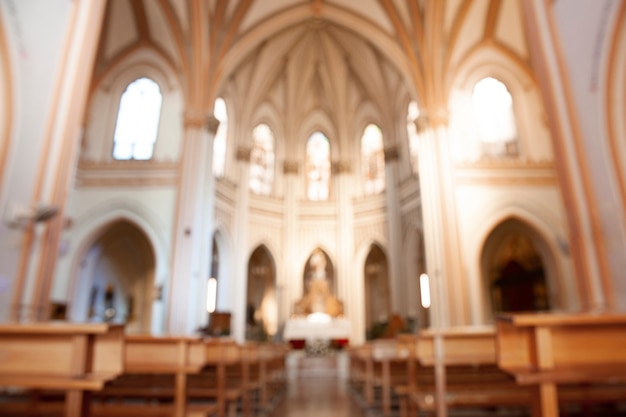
x=318, y=298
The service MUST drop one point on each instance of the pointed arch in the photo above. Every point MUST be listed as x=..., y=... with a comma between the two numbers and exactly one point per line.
x=261, y=297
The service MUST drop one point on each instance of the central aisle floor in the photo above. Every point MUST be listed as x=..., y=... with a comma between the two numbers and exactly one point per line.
x=317, y=387
x=319, y=396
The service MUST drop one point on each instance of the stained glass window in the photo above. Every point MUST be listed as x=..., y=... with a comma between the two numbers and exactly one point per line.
x=373, y=159
x=411, y=117
x=137, y=120
x=219, y=142
x=318, y=167
x=262, y=160
x=493, y=108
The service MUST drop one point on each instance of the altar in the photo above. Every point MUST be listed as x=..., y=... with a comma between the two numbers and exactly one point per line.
x=318, y=323
x=306, y=329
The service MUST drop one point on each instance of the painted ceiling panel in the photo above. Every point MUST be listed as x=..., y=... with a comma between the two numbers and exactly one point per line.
x=510, y=30
x=369, y=9
x=160, y=32
x=471, y=33
x=122, y=30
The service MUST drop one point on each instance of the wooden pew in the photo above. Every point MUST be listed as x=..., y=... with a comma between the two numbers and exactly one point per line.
x=74, y=358
x=472, y=378
x=156, y=368
x=222, y=376
x=543, y=350
x=272, y=372
x=378, y=368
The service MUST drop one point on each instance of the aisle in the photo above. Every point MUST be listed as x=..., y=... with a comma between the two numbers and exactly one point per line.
x=319, y=396
x=317, y=387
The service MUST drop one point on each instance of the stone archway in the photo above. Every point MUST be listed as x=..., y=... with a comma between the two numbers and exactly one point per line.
x=514, y=269
x=120, y=266
x=261, y=303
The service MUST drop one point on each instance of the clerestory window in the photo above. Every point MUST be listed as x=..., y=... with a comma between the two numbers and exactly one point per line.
x=137, y=123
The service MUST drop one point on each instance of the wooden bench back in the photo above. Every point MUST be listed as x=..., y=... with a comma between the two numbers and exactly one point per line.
x=461, y=346
x=163, y=354
x=61, y=350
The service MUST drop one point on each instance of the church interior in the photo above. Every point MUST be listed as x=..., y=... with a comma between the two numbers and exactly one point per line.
x=316, y=185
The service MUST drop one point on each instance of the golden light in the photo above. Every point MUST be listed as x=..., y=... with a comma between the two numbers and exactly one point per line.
x=425, y=290
x=211, y=295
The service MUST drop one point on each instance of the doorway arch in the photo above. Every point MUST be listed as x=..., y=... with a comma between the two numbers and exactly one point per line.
x=118, y=272
x=261, y=303
x=515, y=268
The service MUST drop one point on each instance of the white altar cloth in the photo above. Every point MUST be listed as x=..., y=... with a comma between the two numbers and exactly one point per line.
x=303, y=329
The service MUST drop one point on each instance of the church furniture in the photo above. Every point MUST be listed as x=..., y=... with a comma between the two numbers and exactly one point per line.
x=222, y=377
x=299, y=330
x=376, y=369
x=272, y=372
x=545, y=350
x=156, y=370
x=471, y=378
x=76, y=359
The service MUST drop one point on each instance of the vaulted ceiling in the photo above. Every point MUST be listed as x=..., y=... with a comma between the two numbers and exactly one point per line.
x=378, y=44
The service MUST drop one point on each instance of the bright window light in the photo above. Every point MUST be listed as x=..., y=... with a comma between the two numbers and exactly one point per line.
x=425, y=290
x=211, y=295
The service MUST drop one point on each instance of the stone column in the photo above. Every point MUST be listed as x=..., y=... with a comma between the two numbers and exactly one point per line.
x=345, y=243
x=397, y=287
x=242, y=252
x=191, y=227
x=290, y=280
x=443, y=256
x=54, y=171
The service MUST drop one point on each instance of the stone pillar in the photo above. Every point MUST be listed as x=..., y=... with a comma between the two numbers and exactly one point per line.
x=290, y=280
x=345, y=243
x=242, y=252
x=54, y=171
x=397, y=287
x=204, y=247
x=191, y=223
x=588, y=172
x=443, y=255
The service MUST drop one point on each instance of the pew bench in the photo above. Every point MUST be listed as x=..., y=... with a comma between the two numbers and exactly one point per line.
x=472, y=378
x=156, y=377
x=72, y=360
x=560, y=356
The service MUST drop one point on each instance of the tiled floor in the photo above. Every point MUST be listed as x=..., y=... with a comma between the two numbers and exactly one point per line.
x=321, y=396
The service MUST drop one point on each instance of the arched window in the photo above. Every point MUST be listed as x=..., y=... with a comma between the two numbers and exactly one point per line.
x=219, y=142
x=318, y=167
x=373, y=159
x=262, y=160
x=411, y=116
x=137, y=120
x=493, y=107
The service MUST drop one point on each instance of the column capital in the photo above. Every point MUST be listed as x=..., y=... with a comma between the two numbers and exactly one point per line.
x=197, y=119
x=432, y=120
x=243, y=153
x=193, y=118
x=341, y=167
x=392, y=153
x=290, y=167
x=212, y=124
